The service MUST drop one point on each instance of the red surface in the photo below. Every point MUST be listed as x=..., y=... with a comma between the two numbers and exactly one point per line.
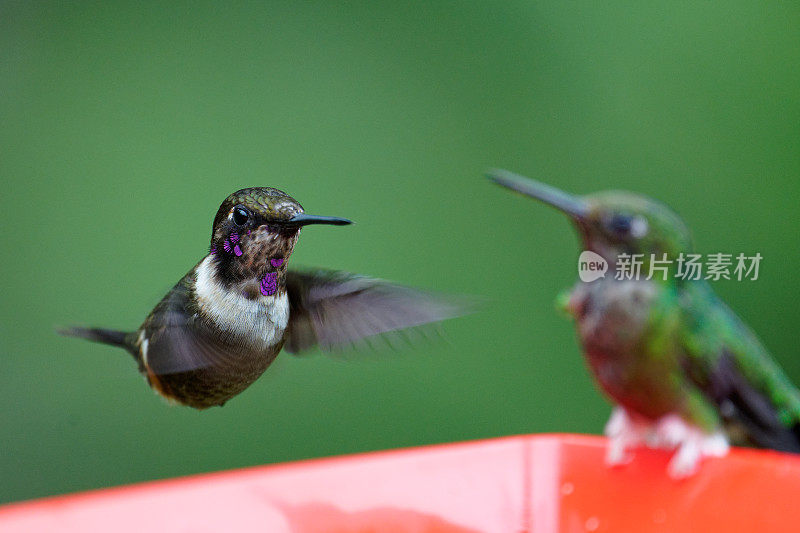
x=533, y=483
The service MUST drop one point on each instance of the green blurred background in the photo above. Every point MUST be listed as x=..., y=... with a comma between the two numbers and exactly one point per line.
x=124, y=125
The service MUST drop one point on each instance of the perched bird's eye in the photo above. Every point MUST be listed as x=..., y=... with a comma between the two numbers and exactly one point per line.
x=623, y=226
x=240, y=215
x=619, y=225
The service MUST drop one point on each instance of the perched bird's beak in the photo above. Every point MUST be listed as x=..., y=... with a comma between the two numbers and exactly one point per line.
x=304, y=220
x=569, y=204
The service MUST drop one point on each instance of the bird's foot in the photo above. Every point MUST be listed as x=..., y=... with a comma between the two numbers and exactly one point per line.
x=623, y=433
x=691, y=443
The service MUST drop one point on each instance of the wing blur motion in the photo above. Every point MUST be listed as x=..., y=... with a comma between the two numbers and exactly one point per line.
x=334, y=310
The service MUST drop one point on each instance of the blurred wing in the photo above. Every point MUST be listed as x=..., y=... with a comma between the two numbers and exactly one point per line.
x=175, y=343
x=333, y=310
x=726, y=361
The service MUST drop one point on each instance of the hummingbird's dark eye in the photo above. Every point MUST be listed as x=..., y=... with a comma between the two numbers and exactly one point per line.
x=240, y=215
x=626, y=226
x=620, y=225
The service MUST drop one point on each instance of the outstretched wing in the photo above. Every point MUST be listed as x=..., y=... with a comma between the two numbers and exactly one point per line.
x=333, y=310
x=758, y=403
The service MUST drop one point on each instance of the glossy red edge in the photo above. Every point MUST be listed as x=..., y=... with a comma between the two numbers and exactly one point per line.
x=541, y=483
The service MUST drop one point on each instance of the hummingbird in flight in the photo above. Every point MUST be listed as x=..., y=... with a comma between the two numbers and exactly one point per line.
x=219, y=328
x=682, y=370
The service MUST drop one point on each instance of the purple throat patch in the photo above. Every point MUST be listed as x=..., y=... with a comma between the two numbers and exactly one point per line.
x=230, y=245
x=269, y=284
x=276, y=262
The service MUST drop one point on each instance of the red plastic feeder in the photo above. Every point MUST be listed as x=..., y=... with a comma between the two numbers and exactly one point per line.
x=544, y=484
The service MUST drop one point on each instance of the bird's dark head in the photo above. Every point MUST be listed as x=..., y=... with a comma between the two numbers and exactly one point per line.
x=255, y=231
x=611, y=223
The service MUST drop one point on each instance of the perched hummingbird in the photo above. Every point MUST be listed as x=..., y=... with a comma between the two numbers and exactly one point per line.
x=681, y=368
x=222, y=325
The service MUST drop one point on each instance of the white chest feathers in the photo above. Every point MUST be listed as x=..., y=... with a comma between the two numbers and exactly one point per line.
x=260, y=322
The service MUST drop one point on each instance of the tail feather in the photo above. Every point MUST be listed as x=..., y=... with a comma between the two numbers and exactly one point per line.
x=105, y=336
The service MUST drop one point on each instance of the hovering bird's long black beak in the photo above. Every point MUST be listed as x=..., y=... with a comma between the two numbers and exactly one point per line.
x=304, y=220
x=569, y=204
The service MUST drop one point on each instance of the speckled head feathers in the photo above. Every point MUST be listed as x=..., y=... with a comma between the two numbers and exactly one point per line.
x=255, y=231
x=266, y=203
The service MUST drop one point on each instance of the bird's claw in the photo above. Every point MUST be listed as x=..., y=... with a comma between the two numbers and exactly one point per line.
x=690, y=443
x=623, y=433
